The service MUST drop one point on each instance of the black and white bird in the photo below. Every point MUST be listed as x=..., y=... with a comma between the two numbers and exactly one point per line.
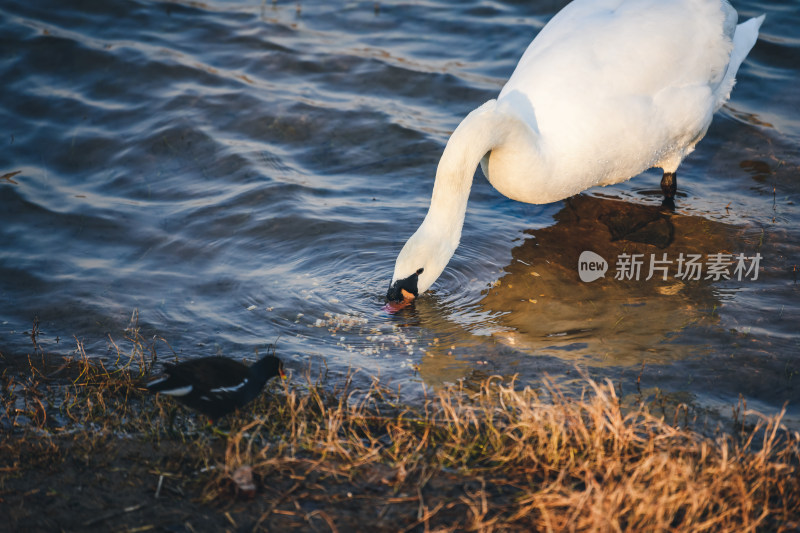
x=215, y=386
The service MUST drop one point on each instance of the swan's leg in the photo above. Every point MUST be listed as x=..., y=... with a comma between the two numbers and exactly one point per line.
x=669, y=186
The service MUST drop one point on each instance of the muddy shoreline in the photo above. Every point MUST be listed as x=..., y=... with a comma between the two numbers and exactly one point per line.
x=85, y=448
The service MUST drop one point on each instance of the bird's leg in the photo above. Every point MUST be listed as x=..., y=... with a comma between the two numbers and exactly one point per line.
x=171, y=426
x=221, y=432
x=669, y=186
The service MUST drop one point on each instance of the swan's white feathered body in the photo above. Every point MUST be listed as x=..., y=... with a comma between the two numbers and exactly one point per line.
x=608, y=89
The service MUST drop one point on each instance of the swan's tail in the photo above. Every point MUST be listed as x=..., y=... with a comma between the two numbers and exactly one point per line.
x=744, y=38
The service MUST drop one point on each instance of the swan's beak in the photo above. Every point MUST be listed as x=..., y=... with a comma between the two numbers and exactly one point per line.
x=397, y=293
x=404, y=290
x=398, y=298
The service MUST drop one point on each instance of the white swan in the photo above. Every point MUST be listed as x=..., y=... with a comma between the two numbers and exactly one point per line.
x=608, y=89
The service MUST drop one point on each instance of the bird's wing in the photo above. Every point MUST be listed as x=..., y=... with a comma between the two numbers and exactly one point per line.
x=636, y=74
x=212, y=373
x=635, y=46
x=203, y=375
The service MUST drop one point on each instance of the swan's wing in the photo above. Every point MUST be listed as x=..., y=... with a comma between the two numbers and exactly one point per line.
x=633, y=46
x=595, y=75
x=744, y=38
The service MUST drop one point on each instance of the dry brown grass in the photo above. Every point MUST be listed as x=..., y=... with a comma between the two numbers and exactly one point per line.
x=52, y=392
x=559, y=464
x=322, y=455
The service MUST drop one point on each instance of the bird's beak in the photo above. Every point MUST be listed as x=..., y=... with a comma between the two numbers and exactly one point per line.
x=282, y=373
x=396, y=307
x=398, y=299
x=404, y=290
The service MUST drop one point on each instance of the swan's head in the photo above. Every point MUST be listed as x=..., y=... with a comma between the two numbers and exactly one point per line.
x=406, y=289
x=419, y=264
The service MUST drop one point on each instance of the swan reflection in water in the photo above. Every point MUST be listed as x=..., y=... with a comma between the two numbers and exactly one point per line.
x=540, y=307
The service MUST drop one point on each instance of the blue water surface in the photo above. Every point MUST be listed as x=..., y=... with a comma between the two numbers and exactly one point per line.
x=232, y=173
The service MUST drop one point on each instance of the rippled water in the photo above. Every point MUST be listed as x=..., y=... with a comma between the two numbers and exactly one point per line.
x=240, y=172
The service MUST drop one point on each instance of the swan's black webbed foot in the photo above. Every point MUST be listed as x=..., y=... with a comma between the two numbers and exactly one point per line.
x=669, y=186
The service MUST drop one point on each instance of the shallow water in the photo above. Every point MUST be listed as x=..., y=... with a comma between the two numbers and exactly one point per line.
x=245, y=172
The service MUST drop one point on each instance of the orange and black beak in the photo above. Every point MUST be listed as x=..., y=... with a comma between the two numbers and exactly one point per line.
x=404, y=290
x=282, y=373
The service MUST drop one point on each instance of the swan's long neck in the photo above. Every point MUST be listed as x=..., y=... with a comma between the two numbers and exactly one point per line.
x=481, y=130
x=429, y=250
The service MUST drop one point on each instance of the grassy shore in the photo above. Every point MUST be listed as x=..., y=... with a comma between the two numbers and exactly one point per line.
x=85, y=448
